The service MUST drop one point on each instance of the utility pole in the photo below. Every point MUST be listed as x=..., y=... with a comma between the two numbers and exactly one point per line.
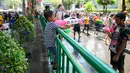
x=24, y=9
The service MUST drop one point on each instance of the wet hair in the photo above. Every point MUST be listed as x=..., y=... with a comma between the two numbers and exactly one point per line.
x=48, y=14
x=47, y=7
x=59, y=6
x=120, y=15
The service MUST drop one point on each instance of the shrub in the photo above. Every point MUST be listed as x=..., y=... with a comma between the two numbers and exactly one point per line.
x=89, y=7
x=12, y=56
x=24, y=31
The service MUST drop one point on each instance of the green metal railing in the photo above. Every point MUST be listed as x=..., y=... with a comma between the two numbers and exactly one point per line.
x=96, y=63
x=62, y=52
x=64, y=58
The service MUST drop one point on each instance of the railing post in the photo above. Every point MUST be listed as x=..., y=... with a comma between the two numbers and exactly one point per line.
x=63, y=62
x=67, y=67
x=57, y=57
x=74, y=71
x=50, y=55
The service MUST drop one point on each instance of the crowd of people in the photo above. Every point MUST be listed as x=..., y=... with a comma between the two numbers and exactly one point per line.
x=117, y=37
x=8, y=17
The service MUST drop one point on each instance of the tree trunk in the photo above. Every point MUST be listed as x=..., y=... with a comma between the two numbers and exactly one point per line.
x=106, y=8
x=123, y=5
x=103, y=8
x=24, y=9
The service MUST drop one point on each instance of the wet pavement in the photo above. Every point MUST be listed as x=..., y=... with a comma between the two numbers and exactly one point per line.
x=95, y=44
x=39, y=62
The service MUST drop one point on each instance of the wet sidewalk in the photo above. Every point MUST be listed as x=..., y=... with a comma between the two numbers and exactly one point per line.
x=95, y=44
x=39, y=58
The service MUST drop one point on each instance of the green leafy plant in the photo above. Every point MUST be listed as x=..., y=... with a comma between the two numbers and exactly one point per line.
x=12, y=56
x=13, y=3
x=89, y=7
x=23, y=31
x=104, y=3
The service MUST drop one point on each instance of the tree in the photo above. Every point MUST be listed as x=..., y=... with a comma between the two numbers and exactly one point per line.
x=123, y=5
x=13, y=4
x=89, y=7
x=54, y=2
x=67, y=3
x=104, y=3
x=128, y=1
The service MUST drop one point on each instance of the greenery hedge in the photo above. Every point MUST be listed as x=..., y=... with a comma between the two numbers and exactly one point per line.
x=12, y=56
x=23, y=30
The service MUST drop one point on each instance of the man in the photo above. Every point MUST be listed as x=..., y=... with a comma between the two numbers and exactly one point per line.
x=59, y=13
x=118, y=43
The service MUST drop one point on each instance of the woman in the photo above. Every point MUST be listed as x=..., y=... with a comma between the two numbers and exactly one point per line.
x=109, y=24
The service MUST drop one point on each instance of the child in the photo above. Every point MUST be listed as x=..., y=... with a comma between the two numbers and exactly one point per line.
x=86, y=24
x=76, y=28
x=118, y=43
x=50, y=34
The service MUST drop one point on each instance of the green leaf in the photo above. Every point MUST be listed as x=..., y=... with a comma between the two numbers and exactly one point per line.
x=12, y=56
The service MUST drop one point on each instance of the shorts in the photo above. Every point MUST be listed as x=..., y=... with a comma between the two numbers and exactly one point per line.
x=120, y=63
x=97, y=27
x=76, y=28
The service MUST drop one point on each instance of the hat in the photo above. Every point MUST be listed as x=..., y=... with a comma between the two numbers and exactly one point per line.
x=120, y=15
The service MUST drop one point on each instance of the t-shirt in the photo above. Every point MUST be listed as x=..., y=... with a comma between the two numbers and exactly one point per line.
x=1, y=18
x=50, y=34
x=86, y=20
x=119, y=34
